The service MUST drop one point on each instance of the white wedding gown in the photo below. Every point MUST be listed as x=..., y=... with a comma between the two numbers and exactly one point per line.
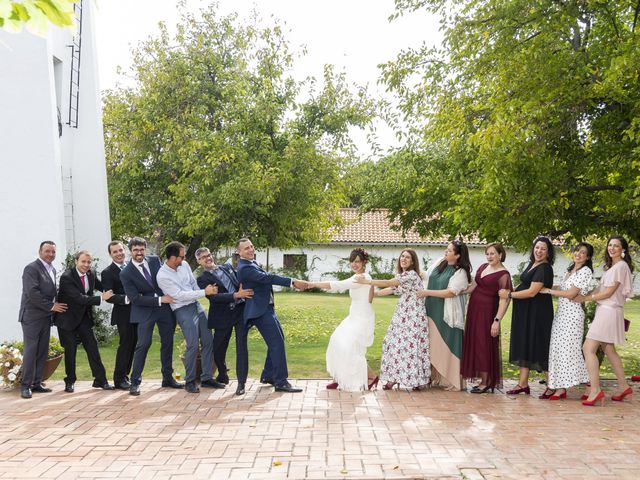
x=346, y=353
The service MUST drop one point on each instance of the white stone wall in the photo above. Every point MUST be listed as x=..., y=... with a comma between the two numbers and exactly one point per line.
x=37, y=202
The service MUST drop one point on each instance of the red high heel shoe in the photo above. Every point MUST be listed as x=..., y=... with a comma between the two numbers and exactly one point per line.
x=518, y=390
x=635, y=378
x=563, y=395
x=591, y=403
x=389, y=385
x=619, y=398
x=332, y=386
x=547, y=396
x=374, y=382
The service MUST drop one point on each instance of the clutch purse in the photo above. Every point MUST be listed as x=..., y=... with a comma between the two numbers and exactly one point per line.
x=627, y=323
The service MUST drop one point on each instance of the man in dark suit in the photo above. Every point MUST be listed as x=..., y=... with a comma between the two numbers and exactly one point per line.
x=226, y=310
x=120, y=316
x=259, y=311
x=76, y=290
x=37, y=306
x=149, y=307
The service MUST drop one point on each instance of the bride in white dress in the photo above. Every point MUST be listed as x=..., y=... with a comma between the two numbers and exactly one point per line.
x=346, y=353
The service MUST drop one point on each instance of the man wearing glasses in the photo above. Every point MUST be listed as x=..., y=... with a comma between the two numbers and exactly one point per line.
x=176, y=279
x=226, y=311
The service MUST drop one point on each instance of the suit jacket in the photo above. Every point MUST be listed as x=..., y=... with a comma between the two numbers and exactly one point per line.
x=110, y=278
x=38, y=294
x=222, y=306
x=250, y=275
x=145, y=306
x=79, y=303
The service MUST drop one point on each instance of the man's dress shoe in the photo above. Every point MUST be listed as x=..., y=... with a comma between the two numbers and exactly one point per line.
x=122, y=385
x=267, y=381
x=288, y=388
x=134, y=390
x=240, y=389
x=221, y=379
x=39, y=388
x=25, y=392
x=68, y=387
x=191, y=387
x=211, y=383
x=172, y=384
x=102, y=385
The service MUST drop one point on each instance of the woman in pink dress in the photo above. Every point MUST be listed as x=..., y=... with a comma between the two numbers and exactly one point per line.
x=607, y=328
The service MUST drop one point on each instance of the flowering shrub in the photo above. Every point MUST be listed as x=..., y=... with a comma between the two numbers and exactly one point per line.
x=10, y=363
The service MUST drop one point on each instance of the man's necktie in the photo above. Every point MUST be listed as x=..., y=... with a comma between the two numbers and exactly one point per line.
x=146, y=274
x=84, y=282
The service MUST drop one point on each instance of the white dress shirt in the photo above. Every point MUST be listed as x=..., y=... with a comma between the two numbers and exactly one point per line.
x=180, y=284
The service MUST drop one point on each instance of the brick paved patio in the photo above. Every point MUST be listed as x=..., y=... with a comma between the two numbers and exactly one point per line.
x=317, y=434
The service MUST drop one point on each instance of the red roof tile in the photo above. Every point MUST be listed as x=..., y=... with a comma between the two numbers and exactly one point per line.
x=375, y=228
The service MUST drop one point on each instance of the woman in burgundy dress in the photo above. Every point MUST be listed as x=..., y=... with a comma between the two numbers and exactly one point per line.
x=481, y=341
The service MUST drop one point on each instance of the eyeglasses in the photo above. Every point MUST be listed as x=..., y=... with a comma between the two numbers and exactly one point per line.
x=205, y=255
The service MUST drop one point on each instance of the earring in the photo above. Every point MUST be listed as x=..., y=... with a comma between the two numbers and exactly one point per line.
x=622, y=254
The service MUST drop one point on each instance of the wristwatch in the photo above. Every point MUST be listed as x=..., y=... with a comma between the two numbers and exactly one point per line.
x=496, y=319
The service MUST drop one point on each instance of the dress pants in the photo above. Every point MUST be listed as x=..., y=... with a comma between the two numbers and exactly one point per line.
x=35, y=336
x=193, y=322
x=221, y=337
x=166, y=327
x=275, y=365
x=128, y=334
x=84, y=331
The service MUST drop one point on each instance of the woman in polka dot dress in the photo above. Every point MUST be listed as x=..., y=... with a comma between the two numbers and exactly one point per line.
x=566, y=362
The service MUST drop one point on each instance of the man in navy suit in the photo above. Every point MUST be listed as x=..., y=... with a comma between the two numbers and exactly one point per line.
x=259, y=311
x=76, y=290
x=149, y=306
x=37, y=306
x=226, y=310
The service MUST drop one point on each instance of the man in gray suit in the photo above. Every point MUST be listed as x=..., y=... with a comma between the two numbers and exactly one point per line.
x=37, y=306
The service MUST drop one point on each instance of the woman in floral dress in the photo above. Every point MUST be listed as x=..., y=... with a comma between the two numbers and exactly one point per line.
x=405, y=349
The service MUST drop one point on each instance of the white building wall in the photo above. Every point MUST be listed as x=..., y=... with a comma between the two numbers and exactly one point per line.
x=34, y=79
x=323, y=259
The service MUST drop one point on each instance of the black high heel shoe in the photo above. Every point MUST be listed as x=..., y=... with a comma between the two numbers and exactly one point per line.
x=477, y=389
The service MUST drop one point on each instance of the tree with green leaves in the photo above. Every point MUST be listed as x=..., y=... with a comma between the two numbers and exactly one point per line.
x=36, y=15
x=525, y=121
x=214, y=143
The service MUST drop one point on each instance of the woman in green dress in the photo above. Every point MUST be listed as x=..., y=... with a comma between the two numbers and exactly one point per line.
x=445, y=308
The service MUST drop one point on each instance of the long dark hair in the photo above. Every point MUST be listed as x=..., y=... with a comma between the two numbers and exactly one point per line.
x=608, y=261
x=415, y=263
x=463, y=262
x=551, y=253
x=589, y=262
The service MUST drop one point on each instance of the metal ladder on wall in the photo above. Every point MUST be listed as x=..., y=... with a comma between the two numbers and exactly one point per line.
x=74, y=83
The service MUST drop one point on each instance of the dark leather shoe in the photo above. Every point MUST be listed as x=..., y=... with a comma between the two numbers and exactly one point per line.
x=267, y=381
x=25, y=392
x=191, y=387
x=288, y=388
x=134, y=390
x=221, y=379
x=172, y=384
x=68, y=387
x=39, y=388
x=240, y=389
x=211, y=383
x=122, y=385
x=102, y=385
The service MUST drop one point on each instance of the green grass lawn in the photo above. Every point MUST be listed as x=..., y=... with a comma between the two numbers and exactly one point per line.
x=308, y=320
